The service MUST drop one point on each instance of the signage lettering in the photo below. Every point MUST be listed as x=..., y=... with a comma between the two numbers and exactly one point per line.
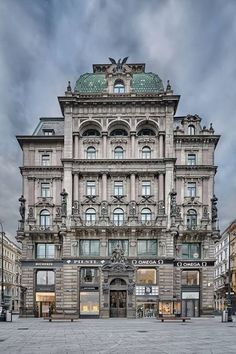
x=194, y=264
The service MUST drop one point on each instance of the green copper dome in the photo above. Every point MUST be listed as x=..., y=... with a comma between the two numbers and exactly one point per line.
x=91, y=83
x=140, y=82
x=146, y=82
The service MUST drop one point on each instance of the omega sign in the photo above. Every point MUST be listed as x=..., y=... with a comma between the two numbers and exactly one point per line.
x=147, y=261
x=191, y=264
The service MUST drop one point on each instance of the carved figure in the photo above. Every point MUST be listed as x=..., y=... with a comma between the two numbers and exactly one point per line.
x=162, y=247
x=64, y=202
x=22, y=201
x=118, y=254
x=118, y=64
x=214, y=209
x=173, y=205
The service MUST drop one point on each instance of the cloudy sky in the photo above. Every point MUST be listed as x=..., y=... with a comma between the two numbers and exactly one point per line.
x=45, y=43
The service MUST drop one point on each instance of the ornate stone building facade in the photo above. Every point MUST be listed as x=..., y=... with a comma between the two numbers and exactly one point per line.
x=11, y=274
x=119, y=216
x=225, y=254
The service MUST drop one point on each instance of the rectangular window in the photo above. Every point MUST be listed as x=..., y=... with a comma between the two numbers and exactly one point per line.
x=191, y=159
x=89, y=303
x=118, y=188
x=45, y=190
x=45, y=277
x=91, y=188
x=191, y=250
x=89, y=275
x=45, y=250
x=146, y=276
x=89, y=247
x=190, y=277
x=123, y=243
x=48, y=132
x=146, y=188
x=45, y=160
x=191, y=189
x=147, y=247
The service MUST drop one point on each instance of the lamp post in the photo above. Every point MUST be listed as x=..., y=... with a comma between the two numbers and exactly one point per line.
x=229, y=302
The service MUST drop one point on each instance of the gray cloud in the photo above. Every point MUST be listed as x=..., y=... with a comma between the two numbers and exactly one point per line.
x=43, y=44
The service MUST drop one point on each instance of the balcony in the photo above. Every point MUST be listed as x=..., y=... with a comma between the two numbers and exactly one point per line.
x=130, y=222
x=41, y=228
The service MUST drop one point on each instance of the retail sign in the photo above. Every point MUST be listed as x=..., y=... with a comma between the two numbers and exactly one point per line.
x=84, y=261
x=186, y=264
x=147, y=262
x=190, y=295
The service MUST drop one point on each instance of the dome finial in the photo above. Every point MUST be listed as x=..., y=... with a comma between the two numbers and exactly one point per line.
x=68, y=87
x=168, y=87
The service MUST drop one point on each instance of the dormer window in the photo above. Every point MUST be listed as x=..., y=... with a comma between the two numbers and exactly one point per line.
x=48, y=132
x=191, y=129
x=119, y=87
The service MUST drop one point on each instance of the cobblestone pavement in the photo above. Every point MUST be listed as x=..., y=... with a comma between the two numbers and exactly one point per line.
x=200, y=336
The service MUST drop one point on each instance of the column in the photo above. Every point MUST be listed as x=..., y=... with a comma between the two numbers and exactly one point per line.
x=104, y=186
x=161, y=187
x=161, y=146
x=76, y=187
x=104, y=145
x=76, y=146
x=132, y=134
x=132, y=186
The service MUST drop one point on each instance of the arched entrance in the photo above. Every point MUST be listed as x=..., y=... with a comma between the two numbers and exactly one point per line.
x=118, y=298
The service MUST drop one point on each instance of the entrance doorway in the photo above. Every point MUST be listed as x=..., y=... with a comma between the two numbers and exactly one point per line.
x=190, y=307
x=118, y=303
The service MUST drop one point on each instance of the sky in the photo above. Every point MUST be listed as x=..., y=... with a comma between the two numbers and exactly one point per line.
x=45, y=43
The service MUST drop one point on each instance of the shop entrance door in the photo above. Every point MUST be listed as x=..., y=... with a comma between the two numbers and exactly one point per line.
x=190, y=308
x=118, y=300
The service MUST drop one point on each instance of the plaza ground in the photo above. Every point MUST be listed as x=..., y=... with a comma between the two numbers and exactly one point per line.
x=199, y=336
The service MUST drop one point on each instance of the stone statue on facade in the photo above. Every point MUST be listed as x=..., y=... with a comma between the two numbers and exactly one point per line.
x=118, y=254
x=22, y=201
x=64, y=202
x=119, y=64
x=214, y=210
x=173, y=205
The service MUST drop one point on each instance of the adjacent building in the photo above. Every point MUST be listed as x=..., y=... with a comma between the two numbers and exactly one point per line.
x=118, y=212
x=225, y=269
x=11, y=273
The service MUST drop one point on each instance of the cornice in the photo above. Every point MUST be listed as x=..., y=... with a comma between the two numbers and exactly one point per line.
x=195, y=167
x=206, y=139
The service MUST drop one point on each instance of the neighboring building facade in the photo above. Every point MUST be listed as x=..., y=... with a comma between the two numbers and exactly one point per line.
x=11, y=273
x=119, y=216
x=225, y=246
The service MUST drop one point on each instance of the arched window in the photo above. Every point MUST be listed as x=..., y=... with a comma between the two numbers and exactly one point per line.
x=191, y=219
x=90, y=216
x=91, y=132
x=91, y=153
x=118, y=152
x=146, y=215
x=118, y=216
x=44, y=219
x=146, y=131
x=119, y=87
x=191, y=129
x=146, y=152
x=119, y=132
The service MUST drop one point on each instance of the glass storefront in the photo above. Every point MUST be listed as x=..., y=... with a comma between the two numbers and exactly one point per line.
x=89, y=303
x=44, y=303
x=146, y=309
